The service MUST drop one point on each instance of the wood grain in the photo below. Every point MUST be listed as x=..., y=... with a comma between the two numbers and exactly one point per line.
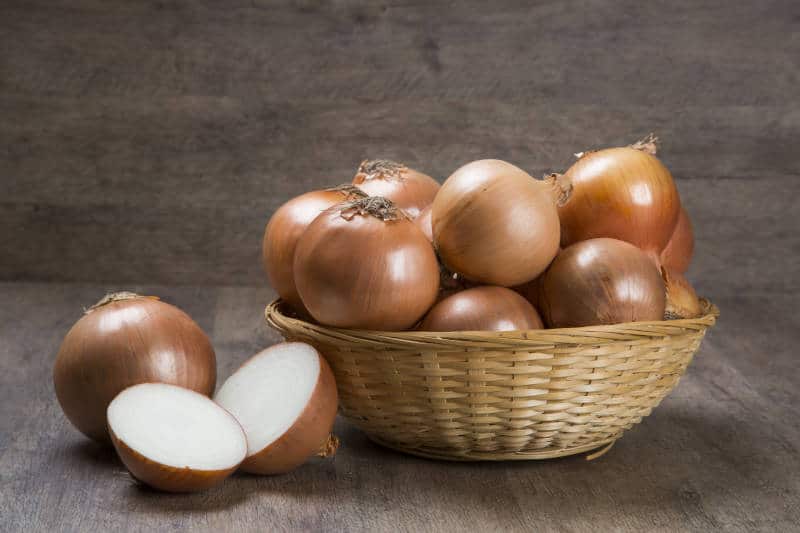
x=720, y=453
x=180, y=127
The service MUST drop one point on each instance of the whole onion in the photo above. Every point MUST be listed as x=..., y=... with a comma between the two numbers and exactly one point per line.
x=123, y=340
x=601, y=281
x=495, y=224
x=364, y=264
x=285, y=228
x=485, y=308
x=682, y=300
x=678, y=253
x=408, y=189
x=622, y=193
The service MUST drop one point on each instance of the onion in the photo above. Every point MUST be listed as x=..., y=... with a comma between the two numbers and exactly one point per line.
x=286, y=226
x=285, y=398
x=423, y=222
x=408, y=189
x=601, y=281
x=486, y=308
x=495, y=224
x=622, y=193
x=530, y=291
x=174, y=439
x=364, y=264
x=682, y=300
x=123, y=340
x=678, y=253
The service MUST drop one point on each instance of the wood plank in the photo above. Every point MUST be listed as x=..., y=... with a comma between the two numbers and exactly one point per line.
x=719, y=453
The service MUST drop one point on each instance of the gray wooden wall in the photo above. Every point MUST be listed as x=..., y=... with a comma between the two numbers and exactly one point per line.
x=148, y=142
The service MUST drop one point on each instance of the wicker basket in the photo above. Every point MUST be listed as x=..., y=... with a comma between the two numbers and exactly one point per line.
x=496, y=396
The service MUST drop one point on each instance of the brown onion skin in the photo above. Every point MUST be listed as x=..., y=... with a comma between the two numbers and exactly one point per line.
x=407, y=188
x=682, y=300
x=365, y=273
x=165, y=477
x=677, y=255
x=281, y=234
x=495, y=224
x=124, y=343
x=601, y=281
x=486, y=308
x=620, y=193
x=423, y=222
x=307, y=436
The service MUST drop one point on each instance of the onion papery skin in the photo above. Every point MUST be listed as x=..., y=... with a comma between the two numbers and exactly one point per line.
x=486, y=308
x=495, y=224
x=677, y=255
x=424, y=223
x=601, y=281
x=123, y=342
x=407, y=188
x=354, y=269
x=682, y=300
x=620, y=193
x=284, y=229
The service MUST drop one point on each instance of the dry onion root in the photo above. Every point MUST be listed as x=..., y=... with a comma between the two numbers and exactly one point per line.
x=407, y=188
x=682, y=300
x=495, y=224
x=365, y=265
x=284, y=229
x=123, y=340
x=484, y=308
x=285, y=399
x=601, y=281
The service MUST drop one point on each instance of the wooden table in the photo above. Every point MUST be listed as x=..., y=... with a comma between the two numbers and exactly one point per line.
x=720, y=453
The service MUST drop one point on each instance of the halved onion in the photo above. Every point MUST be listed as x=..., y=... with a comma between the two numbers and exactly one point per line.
x=285, y=399
x=486, y=308
x=174, y=439
x=407, y=188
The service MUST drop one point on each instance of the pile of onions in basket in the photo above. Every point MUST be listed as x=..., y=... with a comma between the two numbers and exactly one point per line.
x=138, y=372
x=492, y=249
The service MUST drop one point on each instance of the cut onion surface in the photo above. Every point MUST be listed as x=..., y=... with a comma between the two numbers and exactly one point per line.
x=174, y=439
x=285, y=399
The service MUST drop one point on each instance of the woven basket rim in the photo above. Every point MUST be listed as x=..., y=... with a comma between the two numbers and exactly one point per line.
x=593, y=334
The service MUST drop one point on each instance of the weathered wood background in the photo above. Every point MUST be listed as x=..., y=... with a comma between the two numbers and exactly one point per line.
x=144, y=145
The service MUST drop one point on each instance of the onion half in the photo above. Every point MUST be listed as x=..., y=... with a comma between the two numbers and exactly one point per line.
x=285, y=399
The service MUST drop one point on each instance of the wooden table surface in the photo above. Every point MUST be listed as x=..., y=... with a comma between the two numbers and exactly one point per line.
x=720, y=453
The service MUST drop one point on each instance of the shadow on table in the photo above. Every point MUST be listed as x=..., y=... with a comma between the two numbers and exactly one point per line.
x=672, y=463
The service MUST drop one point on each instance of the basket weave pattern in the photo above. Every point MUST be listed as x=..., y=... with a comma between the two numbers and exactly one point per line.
x=510, y=395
